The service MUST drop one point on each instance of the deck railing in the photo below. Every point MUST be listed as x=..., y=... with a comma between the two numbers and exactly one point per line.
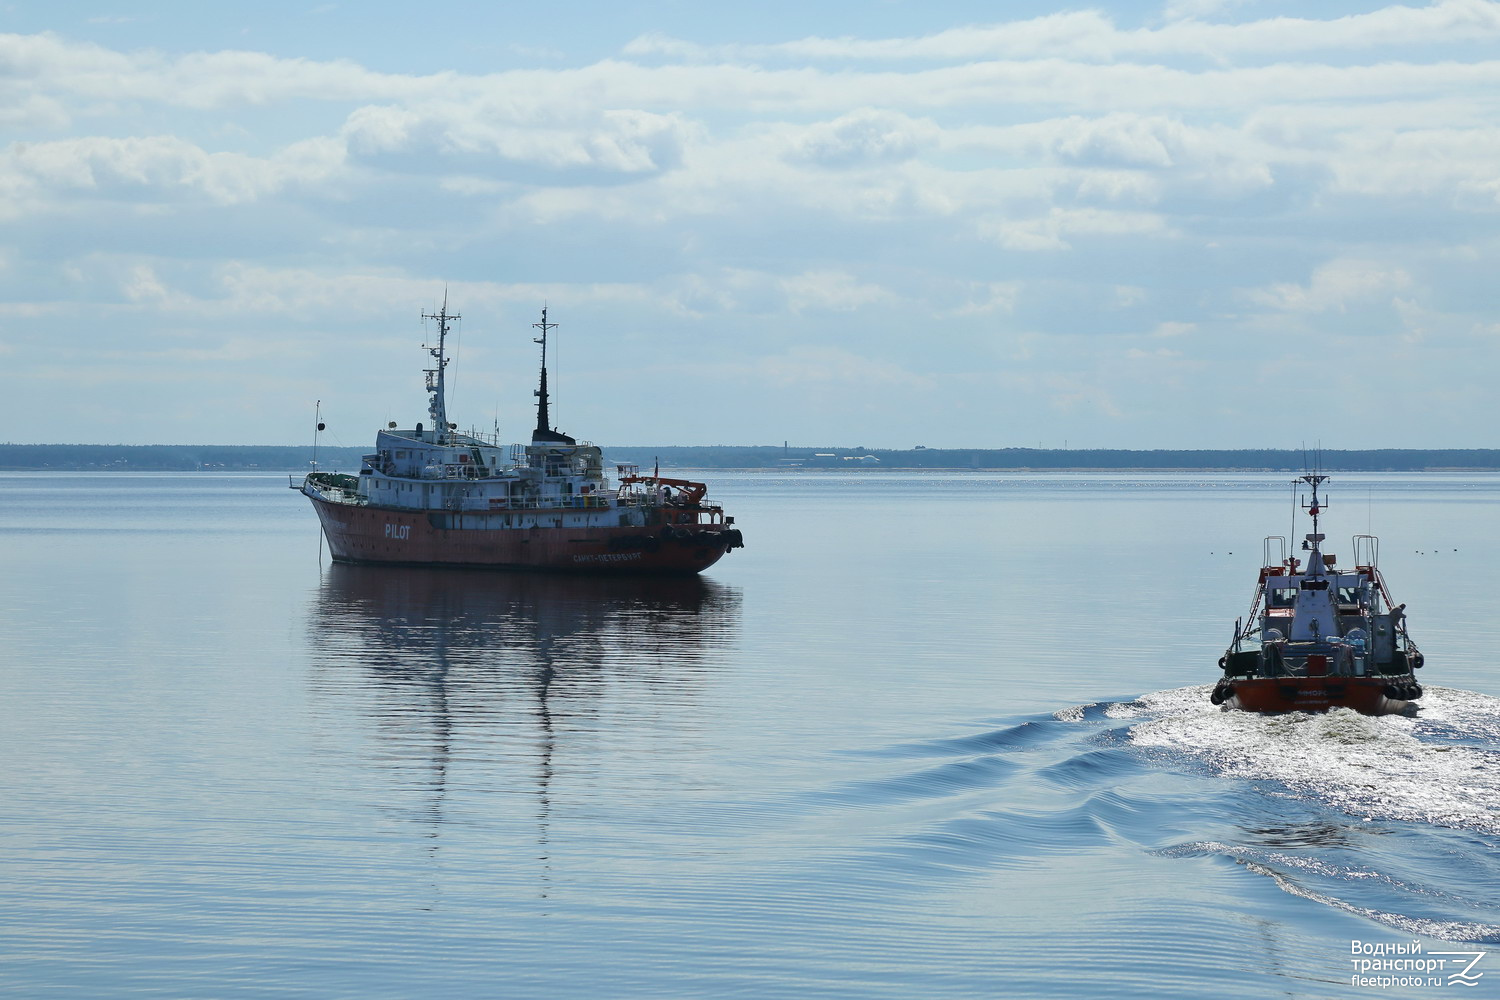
x=582, y=501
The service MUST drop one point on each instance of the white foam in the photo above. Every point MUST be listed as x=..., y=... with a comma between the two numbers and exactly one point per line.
x=1174, y=700
x=1443, y=930
x=1388, y=767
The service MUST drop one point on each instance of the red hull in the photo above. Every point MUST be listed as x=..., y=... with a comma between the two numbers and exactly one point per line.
x=362, y=534
x=1365, y=695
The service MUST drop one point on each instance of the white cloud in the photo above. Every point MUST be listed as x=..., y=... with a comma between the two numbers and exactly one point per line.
x=622, y=141
x=90, y=80
x=834, y=290
x=1054, y=230
x=869, y=136
x=1335, y=286
x=1180, y=9
x=990, y=297
x=1069, y=392
x=161, y=166
x=1172, y=328
x=142, y=285
x=1042, y=187
x=803, y=365
x=1091, y=35
x=1421, y=161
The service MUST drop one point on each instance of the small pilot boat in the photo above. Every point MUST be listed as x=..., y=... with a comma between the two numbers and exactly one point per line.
x=1318, y=635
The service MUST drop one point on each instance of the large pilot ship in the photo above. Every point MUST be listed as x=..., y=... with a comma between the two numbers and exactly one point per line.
x=432, y=496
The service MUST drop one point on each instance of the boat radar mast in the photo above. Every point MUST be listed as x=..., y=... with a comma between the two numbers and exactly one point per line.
x=1314, y=541
x=544, y=433
x=438, y=407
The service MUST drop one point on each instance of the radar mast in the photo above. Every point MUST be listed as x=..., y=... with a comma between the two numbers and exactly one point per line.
x=437, y=408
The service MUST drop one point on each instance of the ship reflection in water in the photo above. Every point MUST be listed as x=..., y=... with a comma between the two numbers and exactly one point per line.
x=483, y=690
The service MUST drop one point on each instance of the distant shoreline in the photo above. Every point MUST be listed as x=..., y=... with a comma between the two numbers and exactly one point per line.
x=289, y=458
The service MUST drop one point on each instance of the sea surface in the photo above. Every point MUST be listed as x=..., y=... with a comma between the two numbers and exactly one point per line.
x=928, y=735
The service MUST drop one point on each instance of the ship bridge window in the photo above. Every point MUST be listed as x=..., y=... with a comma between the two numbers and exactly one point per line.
x=1281, y=597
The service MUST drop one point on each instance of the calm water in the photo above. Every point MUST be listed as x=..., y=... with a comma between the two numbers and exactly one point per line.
x=927, y=736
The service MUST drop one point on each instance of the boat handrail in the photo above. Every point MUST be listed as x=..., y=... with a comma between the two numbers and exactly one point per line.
x=1265, y=550
x=334, y=494
x=1370, y=546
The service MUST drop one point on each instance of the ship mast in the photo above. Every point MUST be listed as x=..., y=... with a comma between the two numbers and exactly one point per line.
x=543, y=420
x=437, y=407
x=544, y=434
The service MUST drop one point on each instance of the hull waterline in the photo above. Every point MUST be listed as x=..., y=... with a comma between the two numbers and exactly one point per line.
x=1366, y=695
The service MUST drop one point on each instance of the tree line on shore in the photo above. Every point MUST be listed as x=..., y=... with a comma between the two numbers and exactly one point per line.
x=283, y=458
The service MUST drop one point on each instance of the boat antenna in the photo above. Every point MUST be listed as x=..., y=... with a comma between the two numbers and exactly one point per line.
x=543, y=420
x=438, y=407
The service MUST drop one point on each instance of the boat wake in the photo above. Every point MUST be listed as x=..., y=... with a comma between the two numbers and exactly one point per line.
x=1441, y=768
x=1389, y=819
x=1400, y=815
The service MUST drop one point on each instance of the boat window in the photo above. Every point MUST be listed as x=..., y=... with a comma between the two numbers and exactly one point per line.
x=1281, y=597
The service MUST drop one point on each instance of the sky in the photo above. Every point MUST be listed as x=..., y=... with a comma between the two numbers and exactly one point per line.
x=878, y=224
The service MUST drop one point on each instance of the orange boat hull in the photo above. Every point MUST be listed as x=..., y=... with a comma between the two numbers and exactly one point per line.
x=1365, y=695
